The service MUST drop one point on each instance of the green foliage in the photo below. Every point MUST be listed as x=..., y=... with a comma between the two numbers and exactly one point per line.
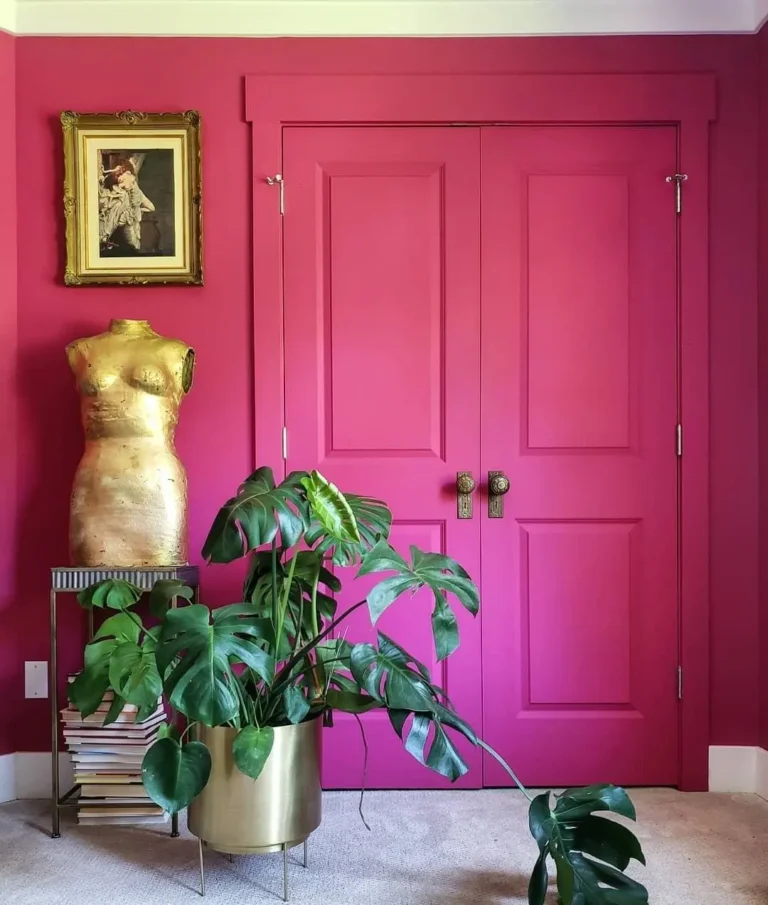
x=330, y=508
x=195, y=652
x=113, y=593
x=441, y=574
x=173, y=774
x=254, y=517
x=251, y=748
x=590, y=853
x=374, y=521
x=281, y=657
x=164, y=592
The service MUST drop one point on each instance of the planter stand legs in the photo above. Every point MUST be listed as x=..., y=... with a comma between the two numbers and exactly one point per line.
x=231, y=857
x=202, y=870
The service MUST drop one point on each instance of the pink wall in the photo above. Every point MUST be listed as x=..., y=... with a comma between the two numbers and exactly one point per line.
x=215, y=436
x=763, y=381
x=10, y=657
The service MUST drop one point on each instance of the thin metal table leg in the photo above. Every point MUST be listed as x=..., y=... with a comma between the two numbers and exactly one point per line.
x=305, y=851
x=52, y=682
x=285, y=872
x=231, y=858
x=175, y=825
x=202, y=869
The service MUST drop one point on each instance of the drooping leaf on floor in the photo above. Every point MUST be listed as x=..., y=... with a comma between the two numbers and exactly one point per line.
x=590, y=853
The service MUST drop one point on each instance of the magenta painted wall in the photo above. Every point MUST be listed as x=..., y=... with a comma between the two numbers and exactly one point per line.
x=10, y=652
x=216, y=431
x=763, y=381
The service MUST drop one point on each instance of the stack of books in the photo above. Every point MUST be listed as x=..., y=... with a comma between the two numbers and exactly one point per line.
x=107, y=764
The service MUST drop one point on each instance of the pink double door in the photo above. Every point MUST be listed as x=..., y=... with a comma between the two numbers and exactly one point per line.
x=502, y=299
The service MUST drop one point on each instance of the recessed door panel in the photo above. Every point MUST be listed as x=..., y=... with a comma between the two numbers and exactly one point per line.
x=382, y=347
x=579, y=412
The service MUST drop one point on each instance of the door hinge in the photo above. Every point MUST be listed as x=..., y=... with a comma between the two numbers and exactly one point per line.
x=285, y=442
x=678, y=179
x=679, y=683
x=280, y=182
x=679, y=439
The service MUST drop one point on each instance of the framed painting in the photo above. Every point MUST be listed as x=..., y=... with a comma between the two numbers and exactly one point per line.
x=132, y=198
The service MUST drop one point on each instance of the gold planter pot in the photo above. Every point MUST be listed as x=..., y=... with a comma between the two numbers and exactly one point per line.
x=242, y=816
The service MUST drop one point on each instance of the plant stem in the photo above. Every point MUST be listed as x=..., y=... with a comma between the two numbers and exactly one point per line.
x=274, y=592
x=284, y=603
x=310, y=645
x=315, y=626
x=497, y=757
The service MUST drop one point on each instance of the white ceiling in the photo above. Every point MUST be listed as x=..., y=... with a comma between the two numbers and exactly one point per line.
x=379, y=17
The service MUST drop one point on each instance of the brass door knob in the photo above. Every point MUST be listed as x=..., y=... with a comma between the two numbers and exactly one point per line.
x=465, y=483
x=498, y=485
x=465, y=487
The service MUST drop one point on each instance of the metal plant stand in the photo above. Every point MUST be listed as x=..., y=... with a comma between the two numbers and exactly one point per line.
x=285, y=849
x=71, y=581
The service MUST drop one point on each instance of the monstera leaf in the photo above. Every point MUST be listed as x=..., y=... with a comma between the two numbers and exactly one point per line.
x=393, y=678
x=200, y=684
x=173, y=774
x=164, y=592
x=87, y=691
x=133, y=673
x=251, y=748
x=113, y=593
x=254, y=517
x=373, y=520
x=441, y=574
x=590, y=853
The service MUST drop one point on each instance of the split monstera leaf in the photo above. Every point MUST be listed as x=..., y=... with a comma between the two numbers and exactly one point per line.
x=280, y=656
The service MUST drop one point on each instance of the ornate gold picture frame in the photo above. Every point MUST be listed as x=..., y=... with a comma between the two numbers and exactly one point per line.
x=132, y=198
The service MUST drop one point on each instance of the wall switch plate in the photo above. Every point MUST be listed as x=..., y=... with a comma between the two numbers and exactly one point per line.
x=36, y=679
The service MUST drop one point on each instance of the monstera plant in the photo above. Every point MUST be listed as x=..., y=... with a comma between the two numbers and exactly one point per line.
x=280, y=656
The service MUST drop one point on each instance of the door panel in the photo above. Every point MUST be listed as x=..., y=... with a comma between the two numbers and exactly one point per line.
x=579, y=411
x=382, y=349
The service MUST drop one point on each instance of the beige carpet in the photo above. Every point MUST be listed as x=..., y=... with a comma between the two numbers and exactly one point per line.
x=425, y=848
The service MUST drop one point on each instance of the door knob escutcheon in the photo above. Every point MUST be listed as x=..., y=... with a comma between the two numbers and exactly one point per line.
x=465, y=487
x=498, y=485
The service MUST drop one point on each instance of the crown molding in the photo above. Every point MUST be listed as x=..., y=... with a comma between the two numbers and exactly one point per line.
x=8, y=15
x=270, y=18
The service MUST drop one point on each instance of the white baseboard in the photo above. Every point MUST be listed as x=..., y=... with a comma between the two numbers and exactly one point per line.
x=732, y=768
x=33, y=774
x=738, y=768
x=761, y=773
x=7, y=777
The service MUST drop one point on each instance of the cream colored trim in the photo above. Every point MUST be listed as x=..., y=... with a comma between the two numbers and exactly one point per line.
x=8, y=15
x=33, y=774
x=735, y=769
x=761, y=773
x=7, y=777
x=382, y=17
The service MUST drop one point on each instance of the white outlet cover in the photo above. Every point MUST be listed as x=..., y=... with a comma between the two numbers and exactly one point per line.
x=36, y=679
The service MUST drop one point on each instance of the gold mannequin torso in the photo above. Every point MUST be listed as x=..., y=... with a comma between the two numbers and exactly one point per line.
x=129, y=499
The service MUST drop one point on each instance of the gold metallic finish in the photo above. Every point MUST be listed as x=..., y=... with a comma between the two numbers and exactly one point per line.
x=129, y=499
x=498, y=485
x=465, y=487
x=238, y=815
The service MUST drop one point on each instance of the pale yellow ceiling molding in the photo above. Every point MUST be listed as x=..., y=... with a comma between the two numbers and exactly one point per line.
x=379, y=17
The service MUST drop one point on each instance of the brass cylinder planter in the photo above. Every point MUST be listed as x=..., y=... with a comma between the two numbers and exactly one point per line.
x=242, y=816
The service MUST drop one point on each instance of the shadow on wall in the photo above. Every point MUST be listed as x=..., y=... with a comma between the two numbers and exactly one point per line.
x=48, y=416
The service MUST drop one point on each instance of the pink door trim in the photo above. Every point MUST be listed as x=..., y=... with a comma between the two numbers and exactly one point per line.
x=684, y=100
